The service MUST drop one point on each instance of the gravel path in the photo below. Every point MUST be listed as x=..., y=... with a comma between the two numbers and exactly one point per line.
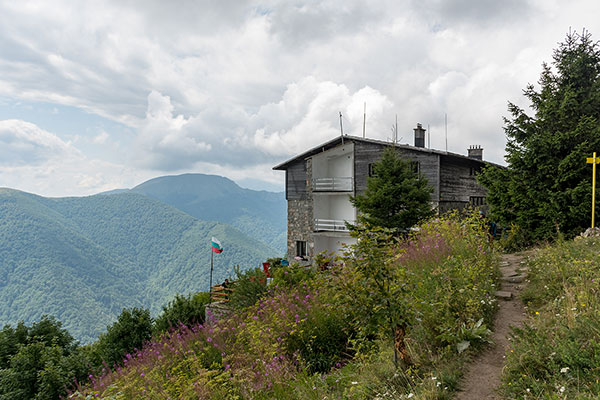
x=483, y=376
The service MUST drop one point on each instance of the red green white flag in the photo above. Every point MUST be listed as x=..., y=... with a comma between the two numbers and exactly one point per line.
x=216, y=246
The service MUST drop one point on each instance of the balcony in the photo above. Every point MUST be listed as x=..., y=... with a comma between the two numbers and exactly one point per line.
x=340, y=184
x=331, y=225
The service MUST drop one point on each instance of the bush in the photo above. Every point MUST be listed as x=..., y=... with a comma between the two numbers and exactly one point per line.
x=322, y=342
x=249, y=286
x=130, y=331
x=188, y=311
x=292, y=276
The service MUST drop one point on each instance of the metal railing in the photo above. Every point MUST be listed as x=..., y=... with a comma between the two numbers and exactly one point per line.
x=336, y=225
x=338, y=184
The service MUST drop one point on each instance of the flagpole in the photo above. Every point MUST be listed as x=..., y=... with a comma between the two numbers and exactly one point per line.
x=211, y=271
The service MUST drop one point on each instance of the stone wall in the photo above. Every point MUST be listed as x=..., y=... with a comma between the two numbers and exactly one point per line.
x=301, y=219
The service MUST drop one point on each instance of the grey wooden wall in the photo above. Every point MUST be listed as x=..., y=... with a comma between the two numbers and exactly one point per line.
x=296, y=178
x=368, y=153
x=458, y=182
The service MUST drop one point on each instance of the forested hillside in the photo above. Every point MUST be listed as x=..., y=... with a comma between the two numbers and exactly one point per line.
x=259, y=214
x=84, y=259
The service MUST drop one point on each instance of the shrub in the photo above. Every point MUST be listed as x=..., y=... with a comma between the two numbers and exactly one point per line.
x=249, y=286
x=130, y=331
x=188, y=311
x=293, y=276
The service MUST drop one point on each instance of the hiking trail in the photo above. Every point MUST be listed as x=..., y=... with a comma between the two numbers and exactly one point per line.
x=483, y=374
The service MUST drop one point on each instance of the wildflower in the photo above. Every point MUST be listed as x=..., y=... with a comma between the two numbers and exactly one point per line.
x=564, y=370
x=410, y=395
x=354, y=383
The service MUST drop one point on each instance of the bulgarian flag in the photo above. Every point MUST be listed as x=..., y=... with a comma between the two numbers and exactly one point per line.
x=216, y=246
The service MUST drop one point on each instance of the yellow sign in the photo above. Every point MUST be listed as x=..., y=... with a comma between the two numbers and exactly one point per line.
x=594, y=160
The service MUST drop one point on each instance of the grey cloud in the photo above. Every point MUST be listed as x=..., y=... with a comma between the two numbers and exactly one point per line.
x=441, y=14
x=300, y=23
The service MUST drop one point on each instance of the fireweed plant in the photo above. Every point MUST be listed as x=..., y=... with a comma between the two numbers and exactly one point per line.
x=329, y=334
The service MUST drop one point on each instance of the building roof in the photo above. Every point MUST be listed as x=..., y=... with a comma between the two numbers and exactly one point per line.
x=338, y=140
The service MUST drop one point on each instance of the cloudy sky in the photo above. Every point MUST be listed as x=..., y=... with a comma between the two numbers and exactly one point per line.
x=98, y=95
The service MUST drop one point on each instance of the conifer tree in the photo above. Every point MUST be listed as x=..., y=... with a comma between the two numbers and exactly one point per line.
x=397, y=197
x=547, y=185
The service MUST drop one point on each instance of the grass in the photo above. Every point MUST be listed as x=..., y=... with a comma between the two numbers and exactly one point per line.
x=556, y=355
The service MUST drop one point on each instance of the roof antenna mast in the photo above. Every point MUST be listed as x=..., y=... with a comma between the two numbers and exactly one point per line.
x=364, y=119
x=428, y=137
x=446, y=124
x=341, y=128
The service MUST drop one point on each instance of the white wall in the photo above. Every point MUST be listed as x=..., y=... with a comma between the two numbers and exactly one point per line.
x=336, y=162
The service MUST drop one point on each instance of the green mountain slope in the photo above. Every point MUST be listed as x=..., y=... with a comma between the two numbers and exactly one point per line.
x=259, y=214
x=84, y=259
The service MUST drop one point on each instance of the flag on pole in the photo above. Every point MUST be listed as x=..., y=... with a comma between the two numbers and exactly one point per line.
x=216, y=246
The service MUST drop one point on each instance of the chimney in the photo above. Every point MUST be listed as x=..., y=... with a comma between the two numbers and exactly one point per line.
x=419, y=136
x=476, y=152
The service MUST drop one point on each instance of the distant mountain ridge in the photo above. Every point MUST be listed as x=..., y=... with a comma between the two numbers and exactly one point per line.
x=259, y=214
x=82, y=259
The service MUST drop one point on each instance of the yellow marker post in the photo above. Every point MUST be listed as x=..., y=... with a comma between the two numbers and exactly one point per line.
x=594, y=160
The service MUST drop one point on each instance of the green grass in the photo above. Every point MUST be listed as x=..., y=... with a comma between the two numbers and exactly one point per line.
x=556, y=355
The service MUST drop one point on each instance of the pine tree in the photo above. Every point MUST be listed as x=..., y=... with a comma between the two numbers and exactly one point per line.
x=547, y=185
x=396, y=197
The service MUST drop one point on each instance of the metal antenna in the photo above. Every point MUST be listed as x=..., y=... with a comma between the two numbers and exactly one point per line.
x=341, y=128
x=364, y=119
x=446, y=124
x=428, y=137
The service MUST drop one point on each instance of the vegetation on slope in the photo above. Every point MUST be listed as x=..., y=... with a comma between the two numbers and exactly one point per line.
x=329, y=335
x=83, y=260
x=259, y=214
x=556, y=355
x=43, y=361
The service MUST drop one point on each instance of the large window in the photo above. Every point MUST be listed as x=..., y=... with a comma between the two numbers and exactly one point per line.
x=301, y=248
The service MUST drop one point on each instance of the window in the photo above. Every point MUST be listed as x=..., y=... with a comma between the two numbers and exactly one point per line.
x=372, y=169
x=477, y=200
x=415, y=167
x=300, y=248
x=472, y=171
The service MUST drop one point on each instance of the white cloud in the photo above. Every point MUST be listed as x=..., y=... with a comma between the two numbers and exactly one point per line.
x=38, y=161
x=23, y=143
x=306, y=115
x=100, y=138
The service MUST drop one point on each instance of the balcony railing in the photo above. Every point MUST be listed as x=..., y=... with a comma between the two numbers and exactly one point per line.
x=334, y=225
x=338, y=184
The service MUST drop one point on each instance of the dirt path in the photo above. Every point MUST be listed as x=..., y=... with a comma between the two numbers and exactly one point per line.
x=483, y=375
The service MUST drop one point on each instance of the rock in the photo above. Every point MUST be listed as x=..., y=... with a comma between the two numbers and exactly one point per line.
x=501, y=294
x=591, y=232
x=513, y=278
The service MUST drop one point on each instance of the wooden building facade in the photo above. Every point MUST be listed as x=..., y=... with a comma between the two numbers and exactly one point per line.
x=319, y=182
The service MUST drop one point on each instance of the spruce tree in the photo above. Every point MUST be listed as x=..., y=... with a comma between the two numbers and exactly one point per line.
x=546, y=187
x=396, y=196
